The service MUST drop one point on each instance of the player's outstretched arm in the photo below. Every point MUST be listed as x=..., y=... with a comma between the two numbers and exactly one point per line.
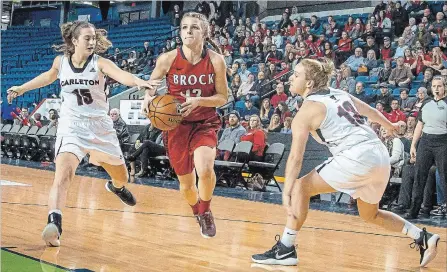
x=308, y=119
x=40, y=81
x=110, y=69
x=374, y=115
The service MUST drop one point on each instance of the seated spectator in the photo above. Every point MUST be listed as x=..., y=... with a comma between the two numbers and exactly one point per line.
x=292, y=100
x=355, y=60
x=260, y=87
x=246, y=88
x=395, y=149
x=360, y=94
x=283, y=111
x=274, y=55
x=120, y=126
x=275, y=123
x=256, y=135
x=344, y=47
x=437, y=61
x=36, y=120
x=371, y=45
x=279, y=96
x=54, y=118
x=396, y=114
x=408, y=37
x=248, y=110
x=421, y=61
x=384, y=97
x=266, y=112
x=228, y=58
x=426, y=82
x=401, y=76
x=400, y=49
x=411, y=124
x=287, y=129
x=385, y=72
x=387, y=52
x=233, y=132
x=147, y=50
x=235, y=85
x=422, y=96
x=22, y=118
x=406, y=103
x=408, y=57
x=371, y=60
x=244, y=73
x=149, y=144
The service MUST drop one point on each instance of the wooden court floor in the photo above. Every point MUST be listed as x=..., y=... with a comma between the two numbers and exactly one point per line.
x=159, y=233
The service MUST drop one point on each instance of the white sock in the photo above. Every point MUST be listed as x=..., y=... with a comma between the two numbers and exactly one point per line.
x=411, y=230
x=55, y=211
x=288, y=237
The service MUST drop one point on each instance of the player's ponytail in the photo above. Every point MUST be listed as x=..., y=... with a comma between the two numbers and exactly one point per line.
x=72, y=30
x=213, y=44
x=319, y=71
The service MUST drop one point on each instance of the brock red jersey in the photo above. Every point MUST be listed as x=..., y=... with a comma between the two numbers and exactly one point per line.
x=187, y=80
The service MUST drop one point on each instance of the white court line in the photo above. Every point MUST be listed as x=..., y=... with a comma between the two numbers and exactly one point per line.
x=11, y=183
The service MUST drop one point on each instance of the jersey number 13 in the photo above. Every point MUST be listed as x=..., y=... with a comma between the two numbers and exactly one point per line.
x=348, y=111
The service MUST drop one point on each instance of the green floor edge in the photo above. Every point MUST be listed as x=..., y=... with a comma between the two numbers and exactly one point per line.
x=16, y=262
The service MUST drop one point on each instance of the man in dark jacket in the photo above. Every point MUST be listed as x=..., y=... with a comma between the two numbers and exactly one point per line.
x=360, y=94
x=384, y=97
x=120, y=126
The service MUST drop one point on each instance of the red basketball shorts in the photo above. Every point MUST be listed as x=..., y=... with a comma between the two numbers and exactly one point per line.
x=187, y=137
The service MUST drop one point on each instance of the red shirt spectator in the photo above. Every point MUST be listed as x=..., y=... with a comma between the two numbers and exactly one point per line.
x=279, y=96
x=344, y=44
x=256, y=135
x=396, y=114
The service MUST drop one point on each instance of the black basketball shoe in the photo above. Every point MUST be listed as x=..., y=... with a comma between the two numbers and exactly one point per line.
x=52, y=232
x=279, y=254
x=124, y=194
x=427, y=245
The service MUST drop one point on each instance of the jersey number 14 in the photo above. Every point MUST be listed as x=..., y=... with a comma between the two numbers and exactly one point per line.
x=350, y=113
x=84, y=96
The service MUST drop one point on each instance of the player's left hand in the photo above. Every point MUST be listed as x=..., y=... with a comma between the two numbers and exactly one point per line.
x=190, y=104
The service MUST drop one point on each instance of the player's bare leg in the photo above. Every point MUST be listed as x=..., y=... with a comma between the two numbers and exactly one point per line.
x=120, y=178
x=66, y=164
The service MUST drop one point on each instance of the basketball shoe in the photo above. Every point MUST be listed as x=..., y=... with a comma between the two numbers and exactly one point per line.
x=124, y=194
x=279, y=254
x=207, y=226
x=52, y=232
x=427, y=245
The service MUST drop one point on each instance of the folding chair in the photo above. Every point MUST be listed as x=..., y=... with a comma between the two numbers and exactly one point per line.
x=231, y=170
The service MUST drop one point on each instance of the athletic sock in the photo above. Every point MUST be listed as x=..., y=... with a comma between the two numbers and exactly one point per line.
x=204, y=206
x=411, y=230
x=195, y=208
x=288, y=237
x=55, y=211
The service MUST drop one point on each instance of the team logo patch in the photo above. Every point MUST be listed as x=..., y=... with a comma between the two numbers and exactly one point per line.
x=92, y=70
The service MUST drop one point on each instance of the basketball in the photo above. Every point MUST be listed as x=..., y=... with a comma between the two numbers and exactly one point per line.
x=164, y=112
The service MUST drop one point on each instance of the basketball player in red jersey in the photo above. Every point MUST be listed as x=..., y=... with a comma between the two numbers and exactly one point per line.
x=196, y=76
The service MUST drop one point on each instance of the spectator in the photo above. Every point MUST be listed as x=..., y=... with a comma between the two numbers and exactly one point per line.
x=422, y=98
x=54, y=118
x=149, y=144
x=387, y=52
x=275, y=123
x=287, y=126
x=244, y=73
x=400, y=49
x=266, y=112
x=395, y=149
x=279, y=96
x=22, y=118
x=360, y=94
x=406, y=103
x=400, y=18
x=396, y=114
x=234, y=131
x=256, y=135
x=259, y=87
x=426, y=82
x=283, y=111
x=371, y=60
x=176, y=16
x=248, y=109
x=235, y=84
x=401, y=76
x=370, y=45
x=36, y=120
x=292, y=100
x=355, y=60
x=120, y=126
x=285, y=22
x=408, y=57
x=147, y=51
x=411, y=124
x=408, y=37
x=246, y=88
x=384, y=97
x=274, y=55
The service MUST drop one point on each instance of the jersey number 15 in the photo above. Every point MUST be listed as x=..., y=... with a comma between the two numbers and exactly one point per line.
x=350, y=113
x=84, y=96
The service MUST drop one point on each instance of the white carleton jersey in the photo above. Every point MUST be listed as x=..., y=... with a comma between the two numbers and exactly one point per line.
x=343, y=127
x=83, y=90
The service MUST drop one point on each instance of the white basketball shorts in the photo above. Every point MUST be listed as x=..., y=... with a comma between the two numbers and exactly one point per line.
x=95, y=137
x=362, y=171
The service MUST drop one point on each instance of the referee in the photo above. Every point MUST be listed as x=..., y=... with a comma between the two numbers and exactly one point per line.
x=432, y=149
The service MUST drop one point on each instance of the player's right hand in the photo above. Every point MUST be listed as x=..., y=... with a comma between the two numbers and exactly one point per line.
x=13, y=92
x=147, y=100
